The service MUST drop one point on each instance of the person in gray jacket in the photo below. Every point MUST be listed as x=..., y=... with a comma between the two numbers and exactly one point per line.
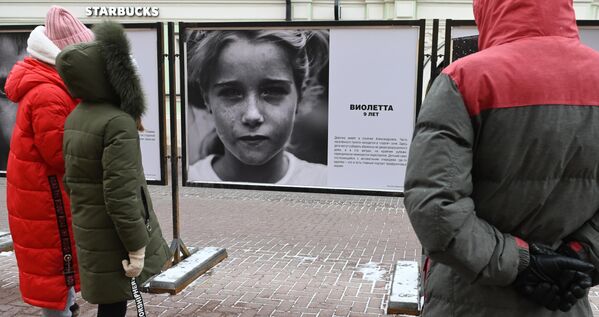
x=502, y=180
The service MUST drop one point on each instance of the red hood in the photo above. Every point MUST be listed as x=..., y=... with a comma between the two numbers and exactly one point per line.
x=503, y=21
x=27, y=74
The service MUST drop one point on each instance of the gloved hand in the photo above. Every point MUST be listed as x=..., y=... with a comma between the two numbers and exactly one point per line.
x=135, y=264
x=578, y=282
x=553, y=280
x=577, y=251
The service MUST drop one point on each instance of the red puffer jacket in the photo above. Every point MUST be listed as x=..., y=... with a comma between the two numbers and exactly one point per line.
x=35, y=160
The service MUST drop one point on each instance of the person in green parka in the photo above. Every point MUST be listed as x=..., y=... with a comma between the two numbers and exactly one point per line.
x=116, y=232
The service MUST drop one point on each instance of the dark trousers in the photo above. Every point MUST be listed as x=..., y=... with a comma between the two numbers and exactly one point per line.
x=112, y=310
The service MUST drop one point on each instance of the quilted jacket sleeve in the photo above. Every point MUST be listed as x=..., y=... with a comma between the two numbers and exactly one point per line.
x=438, y=187
x=120, y=181
x=49, y=111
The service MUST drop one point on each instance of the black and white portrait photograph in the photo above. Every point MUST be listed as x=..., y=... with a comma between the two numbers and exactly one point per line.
x=464, y=46
x=13, y=47
x=257, y=106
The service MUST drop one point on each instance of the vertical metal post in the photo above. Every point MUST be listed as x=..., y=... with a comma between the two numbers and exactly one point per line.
x=287, y=10
x=434, y=48
x=337, y=10
x=419, y=84
x=447, y=55
x=177, y=245
x=173, y=121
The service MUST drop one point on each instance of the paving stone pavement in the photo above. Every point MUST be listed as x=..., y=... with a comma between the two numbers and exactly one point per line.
x=290, y=254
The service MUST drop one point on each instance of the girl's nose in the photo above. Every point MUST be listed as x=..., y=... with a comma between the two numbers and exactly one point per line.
x=252, y=115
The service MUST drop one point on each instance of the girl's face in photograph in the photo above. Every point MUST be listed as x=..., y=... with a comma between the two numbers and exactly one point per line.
x=253, y=98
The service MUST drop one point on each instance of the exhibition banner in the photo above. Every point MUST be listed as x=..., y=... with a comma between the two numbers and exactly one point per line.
x=146, y=46
x=296, y=106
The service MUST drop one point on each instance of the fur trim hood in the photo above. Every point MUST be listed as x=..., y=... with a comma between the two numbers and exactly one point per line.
x=103, y=70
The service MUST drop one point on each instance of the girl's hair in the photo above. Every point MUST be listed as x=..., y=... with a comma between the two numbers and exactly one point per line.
x=307, y=51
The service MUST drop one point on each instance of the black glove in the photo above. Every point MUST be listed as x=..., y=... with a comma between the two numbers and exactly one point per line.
x=577, y=251
x=553, y=280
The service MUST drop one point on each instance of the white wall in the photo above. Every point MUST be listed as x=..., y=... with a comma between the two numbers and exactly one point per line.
x=13, y=12
x=28, y=11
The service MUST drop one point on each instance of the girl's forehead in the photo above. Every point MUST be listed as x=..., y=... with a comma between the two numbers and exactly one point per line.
x=253, y=51
x=244, y=42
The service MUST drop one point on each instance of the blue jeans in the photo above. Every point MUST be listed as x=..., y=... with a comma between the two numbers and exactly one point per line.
x=66, y=312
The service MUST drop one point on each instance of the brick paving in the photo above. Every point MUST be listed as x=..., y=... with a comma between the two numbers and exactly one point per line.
x=290, y=254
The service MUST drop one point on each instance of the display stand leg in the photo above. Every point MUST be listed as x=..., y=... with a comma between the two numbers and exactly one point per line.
x=185, y=266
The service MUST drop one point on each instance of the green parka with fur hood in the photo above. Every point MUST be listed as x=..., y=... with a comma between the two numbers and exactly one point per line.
x=112, y=210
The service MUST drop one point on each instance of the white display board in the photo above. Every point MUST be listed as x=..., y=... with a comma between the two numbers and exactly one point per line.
x=353, y=134
x=589, y=35
x=463, y=31
x=372, y=106
x=146, y=50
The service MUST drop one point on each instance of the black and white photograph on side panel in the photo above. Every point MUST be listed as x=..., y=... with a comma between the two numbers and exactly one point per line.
x=13, y=47
x=464, y=46
x=257, y=106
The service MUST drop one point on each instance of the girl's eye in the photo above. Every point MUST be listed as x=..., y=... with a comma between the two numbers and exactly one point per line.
x=230, y=93
x=275, y=92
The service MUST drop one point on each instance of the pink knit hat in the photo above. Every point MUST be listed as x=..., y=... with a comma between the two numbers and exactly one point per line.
x=64, y=29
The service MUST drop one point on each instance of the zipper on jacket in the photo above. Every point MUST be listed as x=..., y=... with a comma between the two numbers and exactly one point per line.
x=146, y=211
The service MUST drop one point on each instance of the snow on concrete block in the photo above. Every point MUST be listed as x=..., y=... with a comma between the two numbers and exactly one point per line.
x=5, y=242
x=404, y=298
x=177, y=277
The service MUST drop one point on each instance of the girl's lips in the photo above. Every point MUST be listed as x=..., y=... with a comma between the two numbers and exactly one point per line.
x=253, y=139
